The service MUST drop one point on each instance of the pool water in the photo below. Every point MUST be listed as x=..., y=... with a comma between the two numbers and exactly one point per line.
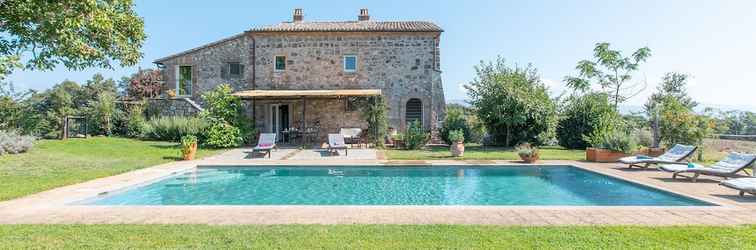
x=452, y=185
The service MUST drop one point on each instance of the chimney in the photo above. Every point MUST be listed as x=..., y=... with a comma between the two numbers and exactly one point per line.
x=363, y=15
x=298, y=15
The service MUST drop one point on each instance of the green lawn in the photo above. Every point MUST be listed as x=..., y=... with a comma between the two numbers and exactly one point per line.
x=475, y=152
x=55, y=163
x=374, y=237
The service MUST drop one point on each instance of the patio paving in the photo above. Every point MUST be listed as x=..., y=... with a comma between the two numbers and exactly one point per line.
x=60, y=205
x=322, y=154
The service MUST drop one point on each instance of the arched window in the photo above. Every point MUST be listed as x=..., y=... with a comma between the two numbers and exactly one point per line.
x=414, y=111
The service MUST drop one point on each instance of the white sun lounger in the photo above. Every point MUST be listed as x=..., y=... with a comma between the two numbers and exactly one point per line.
x=336, y=142
x=266, y=143
x=730, y=166
x=744, y=185
x=676, y=155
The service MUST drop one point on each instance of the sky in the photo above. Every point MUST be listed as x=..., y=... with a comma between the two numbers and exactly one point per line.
x=714, y=41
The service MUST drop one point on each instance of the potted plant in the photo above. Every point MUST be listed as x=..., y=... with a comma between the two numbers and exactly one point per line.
x=458, y=142
x=528, y=153
x=609, y=147
x=398, y=140
x=188, y=147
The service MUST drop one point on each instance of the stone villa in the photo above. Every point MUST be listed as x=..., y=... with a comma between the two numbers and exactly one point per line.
x=301, y=73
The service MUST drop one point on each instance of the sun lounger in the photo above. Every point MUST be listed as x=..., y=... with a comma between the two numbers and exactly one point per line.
x=266, y=143
x=351, y=135
x=733, y=164
x=744, y=185
x=675, y=155
x=336, y=142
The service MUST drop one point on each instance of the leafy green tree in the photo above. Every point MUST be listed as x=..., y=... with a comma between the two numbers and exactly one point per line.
x=673, y=86
x=513, y=103
x=101, y=113
x=581, y=116
x=611, y=71
x=75, y=33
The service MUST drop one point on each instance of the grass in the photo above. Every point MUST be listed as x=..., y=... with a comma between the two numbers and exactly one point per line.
x=476, y=152
x=375, y=237
x=56, y=163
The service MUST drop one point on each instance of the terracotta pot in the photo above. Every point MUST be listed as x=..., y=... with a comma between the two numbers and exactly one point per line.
x=529, y=159
x=457, y=149
x=602, y=155
x=188, y=156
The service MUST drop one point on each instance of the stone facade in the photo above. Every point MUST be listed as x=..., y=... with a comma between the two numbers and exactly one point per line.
x=172, y=107
x=404, y=65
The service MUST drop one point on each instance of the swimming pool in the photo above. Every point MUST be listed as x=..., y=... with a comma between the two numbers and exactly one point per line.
x=395, y=185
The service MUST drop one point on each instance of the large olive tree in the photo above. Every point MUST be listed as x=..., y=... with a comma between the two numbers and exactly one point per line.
x=512, y=102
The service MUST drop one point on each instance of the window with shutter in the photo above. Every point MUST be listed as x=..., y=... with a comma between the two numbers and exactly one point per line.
x=414, y=111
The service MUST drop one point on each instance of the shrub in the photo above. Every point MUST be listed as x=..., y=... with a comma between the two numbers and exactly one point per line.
x=375, y=112
x=513, y=103
x=579, y=117
x=456, y=136
x=455, y=120
x=13, y=143
x=136, y=125
x=416, y=137
x=223, y=135
x=615, y=141
x=222, y=107
x=527, y=150
x=173, y=128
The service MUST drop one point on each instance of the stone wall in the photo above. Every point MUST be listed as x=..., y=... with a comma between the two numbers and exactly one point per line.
x=402, y=65
x=207, y=62
x=171, y=107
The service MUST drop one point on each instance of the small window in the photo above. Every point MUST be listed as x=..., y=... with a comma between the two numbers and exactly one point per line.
x=232, y=70
x=184, y=81
x=280, y=63
x=350, y=63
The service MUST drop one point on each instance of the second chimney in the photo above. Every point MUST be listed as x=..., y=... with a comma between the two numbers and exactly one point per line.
x=363, y=15
x=298, y=15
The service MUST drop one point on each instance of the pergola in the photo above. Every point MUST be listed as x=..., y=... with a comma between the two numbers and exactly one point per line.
x=304, y=95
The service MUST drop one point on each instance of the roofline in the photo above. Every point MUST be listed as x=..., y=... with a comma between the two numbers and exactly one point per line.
x=189, y=51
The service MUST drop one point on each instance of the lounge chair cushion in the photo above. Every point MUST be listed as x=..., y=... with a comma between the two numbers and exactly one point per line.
x=733, y=163
x=743, y=184
x=336, y=141
x=673, y=155
x=677, y=168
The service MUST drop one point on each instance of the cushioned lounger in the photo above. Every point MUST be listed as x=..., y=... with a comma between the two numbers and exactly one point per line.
x=266, y=143
x=336, y=142
x=675, y=155
x=744, y=185
x=730, y=166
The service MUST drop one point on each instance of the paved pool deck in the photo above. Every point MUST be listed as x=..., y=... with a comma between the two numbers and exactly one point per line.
x=54, y=206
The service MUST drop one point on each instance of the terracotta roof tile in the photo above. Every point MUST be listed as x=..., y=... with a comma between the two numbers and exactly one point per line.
x=351, y=26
